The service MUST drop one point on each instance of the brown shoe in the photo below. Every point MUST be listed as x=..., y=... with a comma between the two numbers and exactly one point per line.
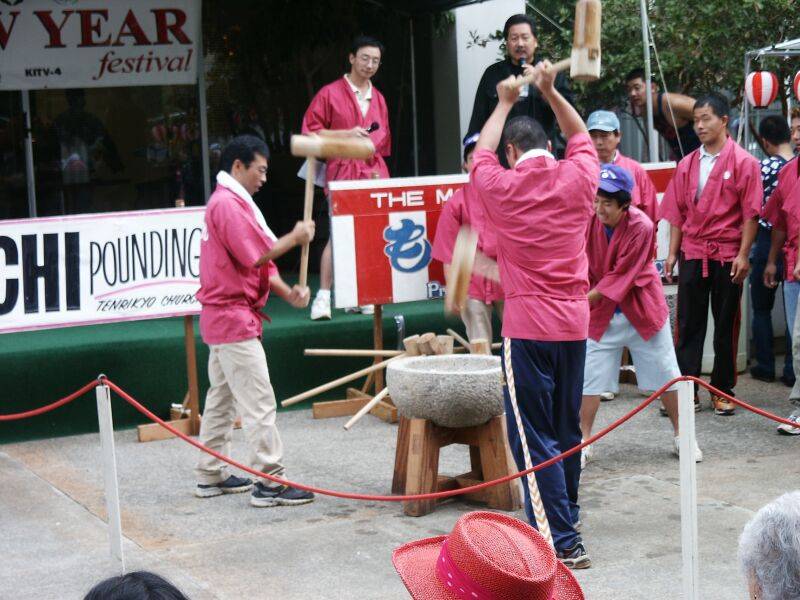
x=722, y=406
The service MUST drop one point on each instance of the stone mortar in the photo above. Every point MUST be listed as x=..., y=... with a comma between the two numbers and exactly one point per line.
x=452, y=390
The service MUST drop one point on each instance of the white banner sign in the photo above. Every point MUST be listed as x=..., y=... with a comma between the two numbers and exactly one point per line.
x=96, y=43
x=99, y=268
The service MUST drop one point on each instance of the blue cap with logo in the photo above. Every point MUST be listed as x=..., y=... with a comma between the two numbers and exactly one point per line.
x=602, y=120
x=614, y=178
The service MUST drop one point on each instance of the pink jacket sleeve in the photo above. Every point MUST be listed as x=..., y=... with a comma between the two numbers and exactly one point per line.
x=450, y=222
x=318, y=113
x=243, y=239
x=672, y=208
x=751, y=191
x=632, y=258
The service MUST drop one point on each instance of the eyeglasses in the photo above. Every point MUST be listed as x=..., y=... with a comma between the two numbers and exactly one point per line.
x=262, y=170
x=368, y=60
x=524, y=38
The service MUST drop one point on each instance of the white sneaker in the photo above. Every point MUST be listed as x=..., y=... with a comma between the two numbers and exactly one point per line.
x=352, y=310
x=586, y=455
x=698, y=454
x=320, y=308
x=788, y=429
x=367, y=309
x=606, y=396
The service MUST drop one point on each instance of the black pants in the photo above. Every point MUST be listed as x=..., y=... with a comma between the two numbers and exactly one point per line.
x=694, y=291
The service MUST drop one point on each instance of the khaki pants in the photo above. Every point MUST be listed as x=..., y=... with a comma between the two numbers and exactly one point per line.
x=239, y=381
x=477, y=318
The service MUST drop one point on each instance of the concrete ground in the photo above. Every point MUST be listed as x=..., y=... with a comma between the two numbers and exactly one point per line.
x=54, y=539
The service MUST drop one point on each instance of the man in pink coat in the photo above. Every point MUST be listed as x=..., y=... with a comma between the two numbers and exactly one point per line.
x=236, y=276
x=604, y=127
x=350, y=106
x=539, y=209
x=464, y=208
x=712, y=204
x=628, y=309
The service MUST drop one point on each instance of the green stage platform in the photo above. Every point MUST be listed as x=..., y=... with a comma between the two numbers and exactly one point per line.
x=147, y=359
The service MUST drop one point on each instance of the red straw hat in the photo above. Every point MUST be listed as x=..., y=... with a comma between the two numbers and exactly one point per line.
x=487, y=556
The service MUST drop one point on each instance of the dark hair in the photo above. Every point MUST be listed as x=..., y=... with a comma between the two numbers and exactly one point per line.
x=363, y=41
x=621, y=197
x=244, y=148
x=469, y=150
x=139, y=585
x=636, y=73
x=518, y=20
x=524, y=132
x=775, y=130
x=718, y=103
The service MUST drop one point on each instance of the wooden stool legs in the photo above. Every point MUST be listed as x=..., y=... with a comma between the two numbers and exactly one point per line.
x=417, y=463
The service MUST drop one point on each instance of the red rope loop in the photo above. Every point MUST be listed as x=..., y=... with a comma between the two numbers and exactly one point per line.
x=379, y=498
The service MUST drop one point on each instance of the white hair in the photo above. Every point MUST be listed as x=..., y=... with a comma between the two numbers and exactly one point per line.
x=769, y=548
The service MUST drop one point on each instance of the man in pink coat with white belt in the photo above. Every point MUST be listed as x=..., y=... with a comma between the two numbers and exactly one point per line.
x=628, y=309
x=712, y=204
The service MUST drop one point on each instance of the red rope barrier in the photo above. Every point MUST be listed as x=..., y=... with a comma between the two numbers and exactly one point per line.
x=380, y=498
x=58, y=403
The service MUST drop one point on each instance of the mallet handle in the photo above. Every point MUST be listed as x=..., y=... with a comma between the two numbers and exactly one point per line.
x=561, y=65
x=367, y=407
x=350, y=352
x=308, y=207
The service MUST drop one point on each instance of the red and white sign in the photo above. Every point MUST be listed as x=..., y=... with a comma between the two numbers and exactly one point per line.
x=661, y=174
x=382, y=232
x=98, y=43
x=761, y=88
x=99, y=268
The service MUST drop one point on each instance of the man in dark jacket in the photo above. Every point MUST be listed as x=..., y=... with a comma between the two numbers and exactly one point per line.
x=519, y=33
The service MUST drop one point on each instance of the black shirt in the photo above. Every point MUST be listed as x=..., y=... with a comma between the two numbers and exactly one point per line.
x=533, y=106
x=686, y=134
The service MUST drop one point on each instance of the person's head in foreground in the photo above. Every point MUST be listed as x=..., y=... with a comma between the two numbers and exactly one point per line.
x=604, y=129
x=245, y=159
x=487, y=556
x=522, y=134
x=613, y=194
x=769, y=550
x=469, y=149
x=711, y=114
x=139, y=585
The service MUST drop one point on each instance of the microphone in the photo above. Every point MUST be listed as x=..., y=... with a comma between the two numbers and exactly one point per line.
x=374, y=127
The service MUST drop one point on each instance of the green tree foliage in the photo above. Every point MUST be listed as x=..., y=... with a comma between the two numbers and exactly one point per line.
x=701, y=45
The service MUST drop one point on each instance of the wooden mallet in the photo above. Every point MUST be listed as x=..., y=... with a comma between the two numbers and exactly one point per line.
x=313, y=147
x=584, y=62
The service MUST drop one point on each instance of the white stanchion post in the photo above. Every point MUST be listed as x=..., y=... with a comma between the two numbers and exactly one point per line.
x=691, y=572
x=106, y=422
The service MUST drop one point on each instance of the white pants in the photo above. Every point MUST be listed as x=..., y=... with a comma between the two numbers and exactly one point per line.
x=477, y=317
x=654, y=359
x=239, y=381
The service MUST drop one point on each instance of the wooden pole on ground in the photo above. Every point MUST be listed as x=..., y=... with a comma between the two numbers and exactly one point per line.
x=191, y=372
x=377, y=344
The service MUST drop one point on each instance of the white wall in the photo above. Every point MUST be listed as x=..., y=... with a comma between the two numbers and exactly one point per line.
x=483, y=18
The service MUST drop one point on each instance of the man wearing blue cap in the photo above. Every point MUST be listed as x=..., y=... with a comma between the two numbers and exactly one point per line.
x=604, y=128
x=627, y=305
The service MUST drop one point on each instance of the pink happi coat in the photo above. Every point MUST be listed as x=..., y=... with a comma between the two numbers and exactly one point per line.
x=712, y=225
x=336, y=107
x=784, y=214
x=622, y=270
x=644, y=196
x=540, y=210
x=464, y=208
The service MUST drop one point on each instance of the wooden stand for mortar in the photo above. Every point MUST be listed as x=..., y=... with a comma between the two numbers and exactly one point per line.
x=416, y=467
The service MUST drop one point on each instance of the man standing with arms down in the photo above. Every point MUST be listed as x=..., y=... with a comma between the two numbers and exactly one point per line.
x=236, y=276
x=712, y=204
x=350, y=106
x=519, y=33
x=540, y=209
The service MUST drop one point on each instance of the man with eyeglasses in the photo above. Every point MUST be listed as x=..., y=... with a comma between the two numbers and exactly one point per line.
x=350, y=107
x=519, y=33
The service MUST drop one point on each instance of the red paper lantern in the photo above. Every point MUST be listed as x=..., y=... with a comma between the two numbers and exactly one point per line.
x=761, y=88
x=796, y=86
